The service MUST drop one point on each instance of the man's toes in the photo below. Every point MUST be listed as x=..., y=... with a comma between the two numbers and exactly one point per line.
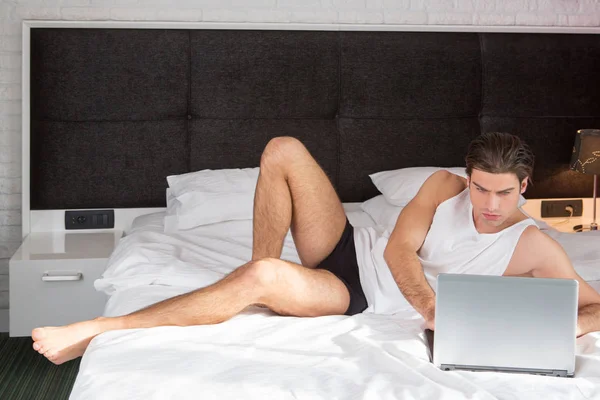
x=39, y=347
x=38, y=334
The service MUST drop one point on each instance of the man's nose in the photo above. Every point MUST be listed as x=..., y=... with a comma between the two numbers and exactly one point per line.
x=492, y=203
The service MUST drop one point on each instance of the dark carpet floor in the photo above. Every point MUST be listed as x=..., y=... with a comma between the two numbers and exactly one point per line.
x=27, y=375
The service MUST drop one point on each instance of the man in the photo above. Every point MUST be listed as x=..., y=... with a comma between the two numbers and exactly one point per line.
x=294, y=193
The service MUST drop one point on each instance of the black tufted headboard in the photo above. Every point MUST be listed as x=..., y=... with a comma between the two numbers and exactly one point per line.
x=114, y=111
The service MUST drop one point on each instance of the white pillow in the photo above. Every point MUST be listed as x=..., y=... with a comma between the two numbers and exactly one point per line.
x=150, y=221
x=234, y=180
x=401, y=185
x=171, y=219
x=383, y=213
x=209, y=196
x=203, y=208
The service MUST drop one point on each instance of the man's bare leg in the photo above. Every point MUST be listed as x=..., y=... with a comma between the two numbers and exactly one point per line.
x=293, y=191
x=284, y=287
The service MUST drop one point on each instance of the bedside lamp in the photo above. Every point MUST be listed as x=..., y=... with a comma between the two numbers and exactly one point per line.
x=586, y=159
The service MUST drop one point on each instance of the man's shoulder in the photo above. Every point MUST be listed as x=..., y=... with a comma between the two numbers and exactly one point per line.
x=443, y=185
x=533, y=249
x=538, y=243
x=443, y=175
x=533, y=235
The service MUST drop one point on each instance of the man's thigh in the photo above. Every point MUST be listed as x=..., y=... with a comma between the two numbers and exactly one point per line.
x=318, y=217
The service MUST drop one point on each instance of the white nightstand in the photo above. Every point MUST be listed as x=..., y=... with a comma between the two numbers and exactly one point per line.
x=52, y=278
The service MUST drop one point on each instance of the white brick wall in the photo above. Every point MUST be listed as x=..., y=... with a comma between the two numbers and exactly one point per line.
x=12, y=12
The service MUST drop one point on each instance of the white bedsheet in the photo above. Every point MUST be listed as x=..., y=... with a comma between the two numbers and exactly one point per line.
x=261, y=355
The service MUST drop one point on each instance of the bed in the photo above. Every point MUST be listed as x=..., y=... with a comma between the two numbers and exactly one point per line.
x=114, y=110
x=258, y=354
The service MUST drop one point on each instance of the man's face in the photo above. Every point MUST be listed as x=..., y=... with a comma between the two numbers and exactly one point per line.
x=495, y=197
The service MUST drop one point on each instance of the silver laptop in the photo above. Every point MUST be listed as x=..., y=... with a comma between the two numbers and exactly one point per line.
x=505, y=324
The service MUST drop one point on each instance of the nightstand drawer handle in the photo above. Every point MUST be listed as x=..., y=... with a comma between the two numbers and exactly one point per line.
x=54, y=278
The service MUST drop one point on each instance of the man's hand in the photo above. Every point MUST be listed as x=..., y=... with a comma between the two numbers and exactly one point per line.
x=430, y=318
x=430, y=324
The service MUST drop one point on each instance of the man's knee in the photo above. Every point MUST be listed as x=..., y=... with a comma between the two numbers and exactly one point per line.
x=261, y=273
x=281, y=150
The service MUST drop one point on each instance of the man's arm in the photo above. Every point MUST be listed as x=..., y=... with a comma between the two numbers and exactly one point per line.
x=408, y=236
x=545, y=258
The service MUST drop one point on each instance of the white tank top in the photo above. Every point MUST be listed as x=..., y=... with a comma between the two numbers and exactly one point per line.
x=452, y=245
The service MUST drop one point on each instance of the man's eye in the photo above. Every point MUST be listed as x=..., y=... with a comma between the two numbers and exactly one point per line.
x=480, y=190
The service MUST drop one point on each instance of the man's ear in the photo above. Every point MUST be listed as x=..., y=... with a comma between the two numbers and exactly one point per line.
x=524, y=185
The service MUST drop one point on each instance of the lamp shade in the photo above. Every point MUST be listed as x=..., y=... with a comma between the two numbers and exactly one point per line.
x=586, y=152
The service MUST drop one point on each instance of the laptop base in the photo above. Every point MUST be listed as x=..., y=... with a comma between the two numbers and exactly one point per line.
x=545, y=372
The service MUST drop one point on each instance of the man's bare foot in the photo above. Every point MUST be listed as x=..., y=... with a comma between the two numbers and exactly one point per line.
x=64, y=343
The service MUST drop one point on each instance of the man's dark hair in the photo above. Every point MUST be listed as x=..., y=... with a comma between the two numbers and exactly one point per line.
x=499, y=153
